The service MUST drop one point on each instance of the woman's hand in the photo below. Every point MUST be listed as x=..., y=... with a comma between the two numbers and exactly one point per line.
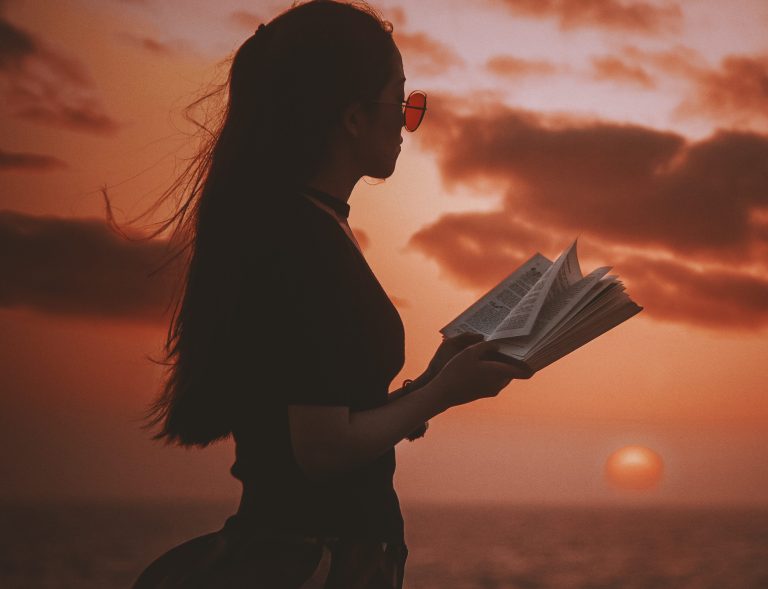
x=449, y=347
x=447, y=350
x=478, y=371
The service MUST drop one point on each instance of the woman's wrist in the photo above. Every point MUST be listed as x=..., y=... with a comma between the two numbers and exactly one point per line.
x=409, y=385
x=421, y=380
x=435, y=390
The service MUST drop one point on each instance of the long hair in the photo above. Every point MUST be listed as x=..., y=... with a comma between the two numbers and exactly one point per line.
x=288, y=86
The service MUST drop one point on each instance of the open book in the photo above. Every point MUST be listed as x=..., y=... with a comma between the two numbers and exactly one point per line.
x=545, y=310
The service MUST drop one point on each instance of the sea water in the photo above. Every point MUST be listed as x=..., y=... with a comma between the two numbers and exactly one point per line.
x=106, y=545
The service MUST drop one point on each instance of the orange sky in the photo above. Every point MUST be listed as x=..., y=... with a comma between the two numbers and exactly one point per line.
x=639, y=126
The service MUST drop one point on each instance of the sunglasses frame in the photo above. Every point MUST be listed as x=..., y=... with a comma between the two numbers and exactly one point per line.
x=404, y=105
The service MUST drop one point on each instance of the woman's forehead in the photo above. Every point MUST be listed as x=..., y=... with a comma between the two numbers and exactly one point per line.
x=397, y=63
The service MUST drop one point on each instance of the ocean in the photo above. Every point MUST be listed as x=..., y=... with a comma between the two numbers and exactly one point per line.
x=106, y=545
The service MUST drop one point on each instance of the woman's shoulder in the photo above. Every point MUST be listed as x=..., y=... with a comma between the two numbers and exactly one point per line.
x=305, y=225
x=290, y=230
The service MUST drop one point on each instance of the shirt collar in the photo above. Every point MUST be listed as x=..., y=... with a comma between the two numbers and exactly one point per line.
x=336, y=204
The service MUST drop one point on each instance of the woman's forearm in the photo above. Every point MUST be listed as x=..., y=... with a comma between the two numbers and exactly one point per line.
x=327, y=443
x=374, y=431
x=416, y=383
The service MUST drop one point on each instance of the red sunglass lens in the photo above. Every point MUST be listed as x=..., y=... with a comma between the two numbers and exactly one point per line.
x=415, y=107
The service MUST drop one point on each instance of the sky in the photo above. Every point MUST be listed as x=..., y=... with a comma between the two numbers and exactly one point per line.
x=640, y=127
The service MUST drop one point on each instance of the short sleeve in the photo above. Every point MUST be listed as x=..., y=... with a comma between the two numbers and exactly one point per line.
x=303, y=297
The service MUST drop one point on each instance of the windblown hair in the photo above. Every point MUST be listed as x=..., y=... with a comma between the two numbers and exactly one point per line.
x=288, y=86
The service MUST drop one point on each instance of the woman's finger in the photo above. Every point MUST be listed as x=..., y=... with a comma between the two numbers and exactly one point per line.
x=482, y=348
x=467, y=336
x=518, y=367
x=463, y=341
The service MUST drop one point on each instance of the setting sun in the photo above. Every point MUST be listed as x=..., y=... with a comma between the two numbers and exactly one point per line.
x=634, y=467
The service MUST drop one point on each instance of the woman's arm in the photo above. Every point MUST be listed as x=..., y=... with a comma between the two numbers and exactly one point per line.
x=408, y=387
x=330, y=440
x=417, y=383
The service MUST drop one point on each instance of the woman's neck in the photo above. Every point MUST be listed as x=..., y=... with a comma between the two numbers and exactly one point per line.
x=335, y=180
x=341, y=191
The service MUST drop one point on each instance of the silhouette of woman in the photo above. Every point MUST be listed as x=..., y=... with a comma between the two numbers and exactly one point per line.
x=284, y=338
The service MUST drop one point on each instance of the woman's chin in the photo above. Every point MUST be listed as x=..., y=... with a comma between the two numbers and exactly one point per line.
x=386, y=169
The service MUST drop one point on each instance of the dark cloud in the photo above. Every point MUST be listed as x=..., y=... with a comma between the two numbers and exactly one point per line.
x=479, y=249
x=15, y=45
x=39, y=84
x=426, y=55
x=675, y=291
x=513, y=67
x=80, y=267
x=617, y=186
x=10, y=160
x=617, y=70
x=636, y=16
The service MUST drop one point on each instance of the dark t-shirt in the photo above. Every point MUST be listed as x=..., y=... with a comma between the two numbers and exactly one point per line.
x=315, y=327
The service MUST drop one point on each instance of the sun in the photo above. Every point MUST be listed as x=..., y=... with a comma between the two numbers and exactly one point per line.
x=635, y=468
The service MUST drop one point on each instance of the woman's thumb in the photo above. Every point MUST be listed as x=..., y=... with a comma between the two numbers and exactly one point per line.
x=490, y=353
x=481, y=349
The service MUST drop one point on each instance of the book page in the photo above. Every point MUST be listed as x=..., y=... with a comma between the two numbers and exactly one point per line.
x=556, y=280
x=615, y=313
x=493, y=307
x=597, y=295
x=555, y=311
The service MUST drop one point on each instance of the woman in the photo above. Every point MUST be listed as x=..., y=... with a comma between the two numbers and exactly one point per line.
x=284, y=338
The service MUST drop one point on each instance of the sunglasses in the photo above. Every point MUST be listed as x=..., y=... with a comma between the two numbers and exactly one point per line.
x=414, y=107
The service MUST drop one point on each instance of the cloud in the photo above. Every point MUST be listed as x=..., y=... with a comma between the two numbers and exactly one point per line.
x=736, y=91
x=621, y=188
x=513, y=67
x=80, y=267
x=674, y=291
x=399, y=302
x=638, y=16
x=396, y=15
x=246, y=19
x=39, y=84
x=617, y=70
x=426, y=55
x=478, y=249
x=153, y=45
x=362, y=238
x=249, y=19
x=10, y=160
x=422, y=53
x=15, y=44
x=156, y=46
